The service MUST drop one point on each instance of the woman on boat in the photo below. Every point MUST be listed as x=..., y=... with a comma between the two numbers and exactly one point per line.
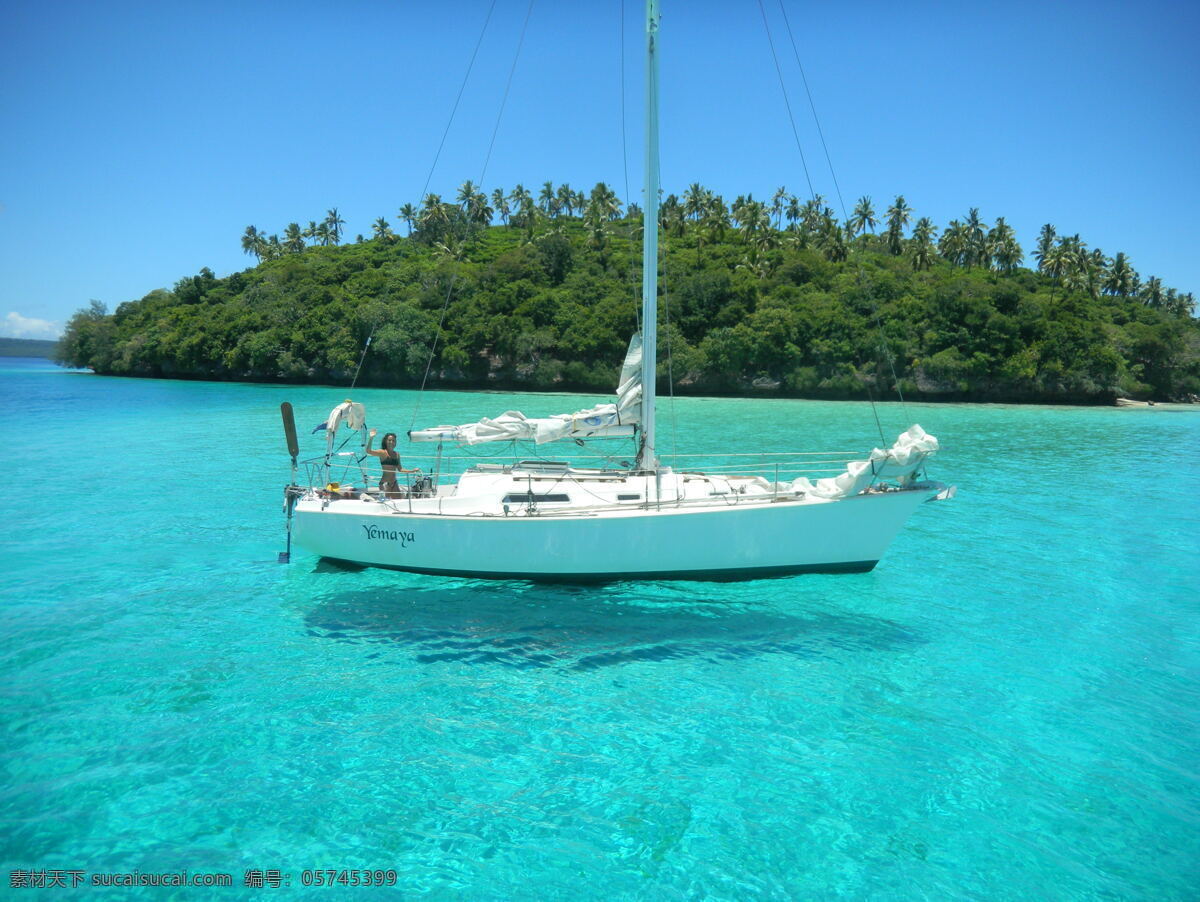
x=389, y=459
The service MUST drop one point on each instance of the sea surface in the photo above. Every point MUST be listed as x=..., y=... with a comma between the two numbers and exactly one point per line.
x=1007, y=707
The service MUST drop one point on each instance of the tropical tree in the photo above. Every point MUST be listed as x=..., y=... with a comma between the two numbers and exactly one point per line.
x=383, y=231
x=293, y=238
x=695, y=200
x=605, y=201
x=794, y=211
x=1045, y=245
x=863, y=217
x=921, y=245
x=548, y=199
x=976, y=241
x=778, y=204
x=433, y=221
x=953, y=243
x=466, y=195
x=1002, y=247
x=1119, y=280
x=252, y=242
x=409, y=214
x=565, y=198
x=1152, y=292
x=898, y=215
x=522, y=204
x=335, y=223
x=832, y=239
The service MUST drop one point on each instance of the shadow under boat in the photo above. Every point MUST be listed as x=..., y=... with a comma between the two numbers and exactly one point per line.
x=573, y=628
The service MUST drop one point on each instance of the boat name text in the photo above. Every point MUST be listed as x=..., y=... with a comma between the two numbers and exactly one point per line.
x=392, y=535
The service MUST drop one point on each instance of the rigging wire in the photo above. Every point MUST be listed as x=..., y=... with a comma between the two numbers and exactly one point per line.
x=786, y=101
x=363, y=356
x=812, y=106
x=507, y=87
x=842, y=203
x=487, y=159
x=458, y=99
x=861, y=278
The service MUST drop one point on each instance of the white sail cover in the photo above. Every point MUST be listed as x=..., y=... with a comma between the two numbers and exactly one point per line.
x=349, y=412
x=603, y=419
x=898, y=462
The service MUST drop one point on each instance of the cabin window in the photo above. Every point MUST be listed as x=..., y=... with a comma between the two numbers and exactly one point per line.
x=531, y=498
x=629, y=497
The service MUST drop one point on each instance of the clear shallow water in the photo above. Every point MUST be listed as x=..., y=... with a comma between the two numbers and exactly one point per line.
x=1006, y=708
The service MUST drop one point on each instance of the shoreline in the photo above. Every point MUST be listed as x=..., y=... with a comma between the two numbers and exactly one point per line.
x=757, y=394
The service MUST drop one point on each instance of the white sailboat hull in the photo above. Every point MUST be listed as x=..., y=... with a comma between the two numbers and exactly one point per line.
x=734, y=541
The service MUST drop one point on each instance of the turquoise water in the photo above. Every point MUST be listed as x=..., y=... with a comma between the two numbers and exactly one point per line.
x=1008, y=707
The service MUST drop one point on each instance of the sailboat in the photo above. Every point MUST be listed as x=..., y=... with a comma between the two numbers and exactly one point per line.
x=552, y=520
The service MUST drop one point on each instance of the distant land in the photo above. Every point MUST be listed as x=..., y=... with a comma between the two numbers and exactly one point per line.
x=27, y=347
x=762, y=299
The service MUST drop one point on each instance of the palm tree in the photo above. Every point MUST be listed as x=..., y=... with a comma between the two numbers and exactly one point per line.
x=793, y=212
x=832, y=239
x=383, y=232
x=778, y=203
x=953, y=243
x=671, y=216
x=500, y=205
x=408, y=213
x=521, y=201
x=810, y=214
x=921, y=244
x=898, y=215
x=1045, y=245
x=566, y=199
x=753, y=218
x=251, y=242
x=466, y=195
x=606, y=202
x=433, y=220
x=478, y=211
x=1152, y=292
x=716, y=220
x=293, y=238
x=1003, y=248
x=335, y=224
x=976, y=241
x=863, y=217
x=310, y=232
x=1120, y=278
x=695, y=198
x=754, y=262
x=548, y=199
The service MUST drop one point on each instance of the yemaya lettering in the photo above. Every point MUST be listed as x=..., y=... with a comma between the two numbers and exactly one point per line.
x=389, y=535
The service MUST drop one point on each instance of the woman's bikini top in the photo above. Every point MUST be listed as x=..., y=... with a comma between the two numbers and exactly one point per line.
x=393, y=461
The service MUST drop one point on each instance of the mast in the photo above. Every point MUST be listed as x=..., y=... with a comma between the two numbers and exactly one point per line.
x=647, y=459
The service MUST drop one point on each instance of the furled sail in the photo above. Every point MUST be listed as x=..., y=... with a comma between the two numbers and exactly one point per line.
x=602, y=420
x=899, y=462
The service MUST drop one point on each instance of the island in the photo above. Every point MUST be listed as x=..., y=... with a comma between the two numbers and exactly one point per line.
x=770, y=297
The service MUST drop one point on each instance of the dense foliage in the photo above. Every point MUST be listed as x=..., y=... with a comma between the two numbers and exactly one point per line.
x=547, y=299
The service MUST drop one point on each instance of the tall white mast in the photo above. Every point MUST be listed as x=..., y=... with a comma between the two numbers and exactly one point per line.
x=647, y=459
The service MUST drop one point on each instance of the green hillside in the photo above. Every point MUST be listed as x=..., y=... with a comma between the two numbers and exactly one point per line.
x=27, y=347
x=757, y=297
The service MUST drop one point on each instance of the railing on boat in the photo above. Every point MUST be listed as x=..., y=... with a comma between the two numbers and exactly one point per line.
x=349, y=474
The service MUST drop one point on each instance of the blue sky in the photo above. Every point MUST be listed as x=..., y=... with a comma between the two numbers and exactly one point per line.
x=140, y=139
